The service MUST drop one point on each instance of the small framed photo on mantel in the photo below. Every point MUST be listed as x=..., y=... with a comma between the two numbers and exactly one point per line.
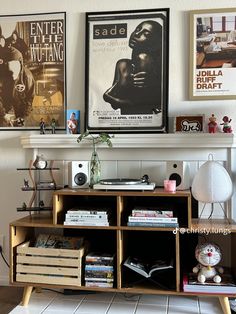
x=127, y=71
x=189, y=124
x=73, y=121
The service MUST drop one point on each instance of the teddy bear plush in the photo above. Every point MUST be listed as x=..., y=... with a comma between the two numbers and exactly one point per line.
x=208, y=256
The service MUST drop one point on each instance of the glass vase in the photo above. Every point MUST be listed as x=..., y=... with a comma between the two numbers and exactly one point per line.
x=95, y=169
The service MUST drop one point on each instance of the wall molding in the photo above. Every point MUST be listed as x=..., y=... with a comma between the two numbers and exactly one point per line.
x=130, y=141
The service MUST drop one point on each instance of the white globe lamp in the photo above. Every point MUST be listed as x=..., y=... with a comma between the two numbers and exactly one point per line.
x=212, y=184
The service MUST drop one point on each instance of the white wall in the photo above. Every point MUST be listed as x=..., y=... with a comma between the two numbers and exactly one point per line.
x=11, y=153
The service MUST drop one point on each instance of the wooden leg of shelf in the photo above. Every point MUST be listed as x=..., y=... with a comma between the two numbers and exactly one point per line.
x=224, y=301
x=26, y=295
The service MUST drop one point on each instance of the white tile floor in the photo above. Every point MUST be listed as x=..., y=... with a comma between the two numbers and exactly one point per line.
x=50, y=302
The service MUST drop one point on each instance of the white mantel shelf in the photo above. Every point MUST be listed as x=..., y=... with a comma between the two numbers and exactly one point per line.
x=131, y=141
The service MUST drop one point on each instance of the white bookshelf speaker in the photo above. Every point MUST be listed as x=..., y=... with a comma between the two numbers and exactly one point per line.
x=78, y=174
x=180, y=172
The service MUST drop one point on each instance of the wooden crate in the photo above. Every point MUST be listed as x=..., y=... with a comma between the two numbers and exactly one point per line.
x=48, y=265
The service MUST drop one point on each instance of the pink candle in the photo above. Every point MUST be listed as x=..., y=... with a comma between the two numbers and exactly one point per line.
x=170, y=185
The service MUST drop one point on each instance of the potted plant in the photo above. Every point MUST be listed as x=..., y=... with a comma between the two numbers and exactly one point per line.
x=95, y=165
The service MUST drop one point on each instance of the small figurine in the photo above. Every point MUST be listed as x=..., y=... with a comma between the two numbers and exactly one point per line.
x=24, y=206
x=208, y=255
x=53, y=125
x=41, y=204
x=26, y=183
x=226, y=125
x=42, y=126
x=19, y=122
x=212, y=125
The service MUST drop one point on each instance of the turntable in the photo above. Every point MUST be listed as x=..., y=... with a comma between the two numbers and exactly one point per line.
x=142, y=184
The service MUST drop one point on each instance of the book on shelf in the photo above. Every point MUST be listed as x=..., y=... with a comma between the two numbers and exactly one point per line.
x=87, y=210
x=99, y=274
x=99, y=258
x=151, y=212
x=146, y=269
x=86, y=216
x=153, y=224
x=88, y=220
x=99, y=268
x=226, y=286
x=92, y=279
x=92, y=223
x=153, y=219
x=98, y=284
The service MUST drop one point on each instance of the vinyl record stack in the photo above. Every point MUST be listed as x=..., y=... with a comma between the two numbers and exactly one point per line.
x=99, y=270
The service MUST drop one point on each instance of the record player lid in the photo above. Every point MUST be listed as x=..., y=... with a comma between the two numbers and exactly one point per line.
x=121, y=181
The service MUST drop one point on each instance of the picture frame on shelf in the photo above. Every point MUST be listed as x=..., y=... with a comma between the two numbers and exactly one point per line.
x=126, y=87
x=189, y=123
x=212, y=54
x=36, y=89
x=73, y=121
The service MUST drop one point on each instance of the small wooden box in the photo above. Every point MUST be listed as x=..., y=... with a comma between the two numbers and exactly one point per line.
x=48, y=265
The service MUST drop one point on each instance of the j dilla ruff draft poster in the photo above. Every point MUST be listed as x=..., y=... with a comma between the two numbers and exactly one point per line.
x=32, y=71
x=213, y=54
x=126, y=63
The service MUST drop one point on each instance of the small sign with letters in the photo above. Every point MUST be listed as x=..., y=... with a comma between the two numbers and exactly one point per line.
x=193, y=124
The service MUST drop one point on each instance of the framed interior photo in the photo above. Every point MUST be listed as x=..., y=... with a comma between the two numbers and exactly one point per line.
x=73, y=121
x=127, y=71
x=212, y=54
x=32, y=71
x=189, y=124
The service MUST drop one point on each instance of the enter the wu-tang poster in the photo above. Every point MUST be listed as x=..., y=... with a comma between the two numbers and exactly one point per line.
x=32, y=70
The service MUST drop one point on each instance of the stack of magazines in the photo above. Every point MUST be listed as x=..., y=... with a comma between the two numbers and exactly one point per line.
x=87, y=217
x=99, y=270
x=151, y=217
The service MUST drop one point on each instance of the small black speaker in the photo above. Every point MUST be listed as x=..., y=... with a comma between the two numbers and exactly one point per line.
x=78, y=174
x=178, y=171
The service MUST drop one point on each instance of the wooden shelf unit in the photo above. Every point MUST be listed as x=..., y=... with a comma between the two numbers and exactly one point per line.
x=120, y=238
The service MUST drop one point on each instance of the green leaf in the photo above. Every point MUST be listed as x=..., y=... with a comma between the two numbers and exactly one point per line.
x=96, y=139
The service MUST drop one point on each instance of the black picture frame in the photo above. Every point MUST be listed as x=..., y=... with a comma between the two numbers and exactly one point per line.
x=35, y=94
x=126, y=71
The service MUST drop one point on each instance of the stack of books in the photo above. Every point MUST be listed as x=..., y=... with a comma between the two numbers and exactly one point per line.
x=87, y=217
x=99, y=270
x=152, y=218
x=226, y=286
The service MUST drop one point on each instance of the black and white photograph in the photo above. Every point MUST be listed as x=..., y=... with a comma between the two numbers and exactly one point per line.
x=127, y=71
x=32, y=71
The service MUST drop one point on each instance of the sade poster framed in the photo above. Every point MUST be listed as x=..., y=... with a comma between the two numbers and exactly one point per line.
x=32, y=70
x=212, y=54
x=126, y=84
